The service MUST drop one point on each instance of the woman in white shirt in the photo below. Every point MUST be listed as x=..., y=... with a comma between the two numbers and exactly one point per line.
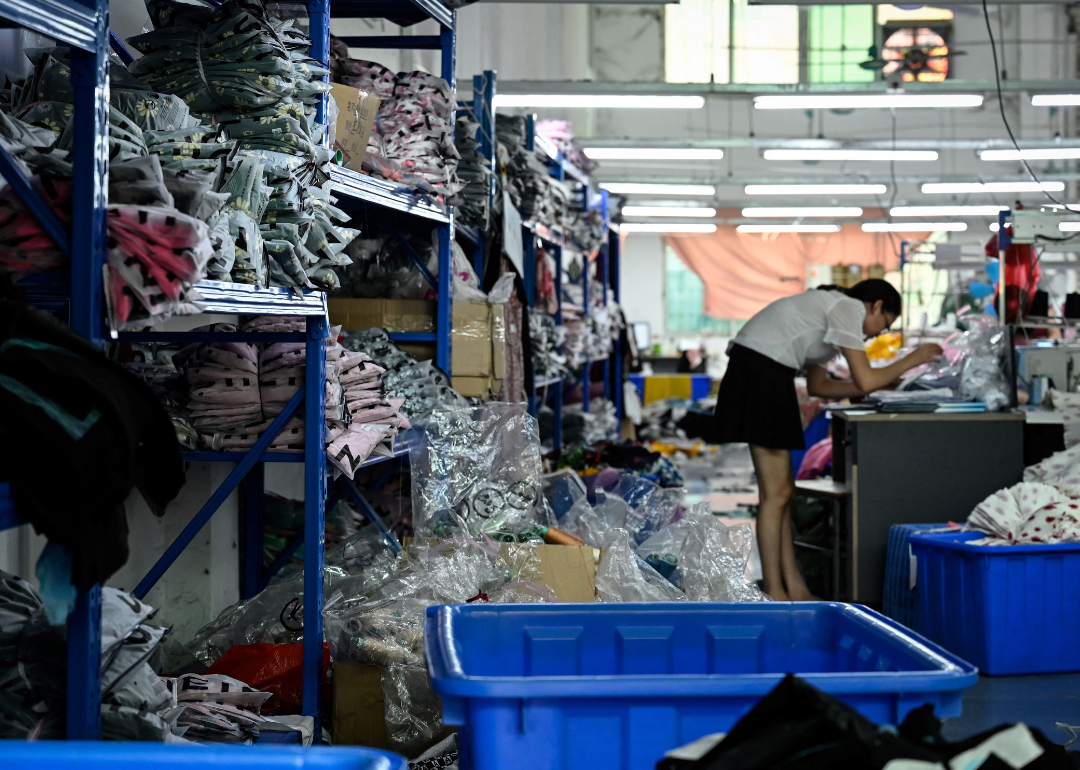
x=757, y=403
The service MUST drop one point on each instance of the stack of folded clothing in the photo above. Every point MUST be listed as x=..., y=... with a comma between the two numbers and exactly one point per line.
x=534, y=192
x=474, y=171
x=561, y=134
x=282, y=372
x=225, y=405
x=365, y=421
x=214, y=708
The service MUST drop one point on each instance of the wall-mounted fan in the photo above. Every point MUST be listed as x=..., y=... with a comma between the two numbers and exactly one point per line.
x=916, y=53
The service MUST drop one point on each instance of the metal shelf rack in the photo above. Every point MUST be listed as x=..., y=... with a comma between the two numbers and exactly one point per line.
x=82, y=24
x=607, y=259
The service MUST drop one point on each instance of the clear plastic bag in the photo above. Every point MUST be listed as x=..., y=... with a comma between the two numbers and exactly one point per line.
x=713, y=566
x=597, y=524
x=413, y=710
x=563, y=489
x=624, y=577
x=478, y=469
x=651, y=506
x=983, y=376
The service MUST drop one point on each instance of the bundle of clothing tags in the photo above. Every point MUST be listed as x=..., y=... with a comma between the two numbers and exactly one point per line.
x=482, y=506
x=413, y=137
x=216, y=166
x=235, y=391
x=136, y=703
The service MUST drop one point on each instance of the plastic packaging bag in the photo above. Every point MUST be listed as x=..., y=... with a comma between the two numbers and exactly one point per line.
x=983, y=377
x=272, y=668
x=624, y=577
x=713, y=566
x=478, y=468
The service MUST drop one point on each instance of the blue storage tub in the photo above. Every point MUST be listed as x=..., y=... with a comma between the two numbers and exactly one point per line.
x=108, y=755
x=898, y=601
x=608, y=686
x=1008, y=609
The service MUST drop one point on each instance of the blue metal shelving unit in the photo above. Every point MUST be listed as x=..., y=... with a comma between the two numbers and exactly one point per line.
x=608, y=272
x=83, y=25
x=483, y=110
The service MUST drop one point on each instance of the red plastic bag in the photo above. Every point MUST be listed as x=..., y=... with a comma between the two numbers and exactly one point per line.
x=275, y=668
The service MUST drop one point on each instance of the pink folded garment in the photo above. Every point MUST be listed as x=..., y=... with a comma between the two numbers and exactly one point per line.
x=348, y=451
x=276, y=324
x=387, y=408
x=199, y=373
x=365, y=386
x=282, y=355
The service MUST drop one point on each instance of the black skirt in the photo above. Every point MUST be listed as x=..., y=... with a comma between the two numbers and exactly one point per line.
x=757, y=403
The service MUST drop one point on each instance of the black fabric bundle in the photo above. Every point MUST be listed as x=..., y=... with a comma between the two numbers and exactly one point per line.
x=78, y=432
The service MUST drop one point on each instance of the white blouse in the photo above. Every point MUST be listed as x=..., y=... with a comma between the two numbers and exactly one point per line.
x=808, y=328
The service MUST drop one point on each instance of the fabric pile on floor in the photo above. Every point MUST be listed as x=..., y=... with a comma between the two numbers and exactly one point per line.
x=212, y=708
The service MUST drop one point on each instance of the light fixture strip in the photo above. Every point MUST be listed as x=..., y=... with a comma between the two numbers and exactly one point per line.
x=815, y=189
x=802, y=211
x=652, y=153
x=865, y=101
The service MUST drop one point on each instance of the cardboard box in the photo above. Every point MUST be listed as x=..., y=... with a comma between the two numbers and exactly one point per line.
x=356, y=118
x=473, y=387
x=359, y=708
x=470, y=347
x=499, y=327
x=568, y=570
x=394, y=315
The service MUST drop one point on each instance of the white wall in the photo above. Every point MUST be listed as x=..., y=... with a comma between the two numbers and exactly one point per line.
x=641, y=276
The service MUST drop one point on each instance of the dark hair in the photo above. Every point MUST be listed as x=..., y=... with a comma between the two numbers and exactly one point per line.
x=872, y=290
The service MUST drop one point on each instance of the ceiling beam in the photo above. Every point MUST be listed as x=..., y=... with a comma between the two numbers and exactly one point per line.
x=584, y=87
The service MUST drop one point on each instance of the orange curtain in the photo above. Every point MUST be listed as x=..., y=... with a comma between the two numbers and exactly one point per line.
x=744, y=272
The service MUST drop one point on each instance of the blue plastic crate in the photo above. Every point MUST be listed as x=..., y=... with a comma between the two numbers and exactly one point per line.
x=898, y=601
x=1008, y=609
x=98, y=755
x=608, y=686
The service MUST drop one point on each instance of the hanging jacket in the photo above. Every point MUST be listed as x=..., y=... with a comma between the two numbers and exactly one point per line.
x=77, y=432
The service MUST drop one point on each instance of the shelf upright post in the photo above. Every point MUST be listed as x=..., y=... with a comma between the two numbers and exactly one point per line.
x=444, y=311
x=314, y=513
x=586, y=385
x=603, y=279
x=319, y=31
x=614, y=263
x=90, y=157
x=252, y=490
x=484, y=111
x=557, y=405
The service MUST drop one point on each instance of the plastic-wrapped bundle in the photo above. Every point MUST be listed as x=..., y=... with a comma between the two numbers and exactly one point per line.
x=478, y=468
x=534, y=192
x=546, y=337
x=983, y=377
x=422, y=385
x=585, y=228
x=474, y=171
x=623, y=576
x=561, y=134
x=710, y=557
x=275, y=615
x=416, y=131
x=226, y=57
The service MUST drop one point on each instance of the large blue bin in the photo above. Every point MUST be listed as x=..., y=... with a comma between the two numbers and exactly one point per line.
x=898, y=601
x=1008, y=609
x=98, y=755
x=608, y=686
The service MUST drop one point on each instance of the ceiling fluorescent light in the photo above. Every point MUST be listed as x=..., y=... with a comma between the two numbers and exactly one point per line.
x=645, y=188
x=1044, y=153
x=662, y=227
x=666, y=211
x=1055, y=100
x=814, y=189
x=788, y=228
x=651, y=153
x=914, y=227
x=946, y=211
x=609, y=101
x=1069, y=227
x=864, y=101
x=803, y=211
x=992, y=187
x=850, y=155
